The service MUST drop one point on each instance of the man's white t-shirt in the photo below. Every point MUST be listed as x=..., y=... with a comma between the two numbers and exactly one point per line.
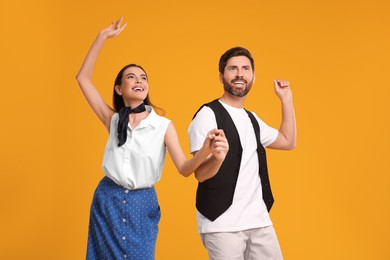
x=248, y=209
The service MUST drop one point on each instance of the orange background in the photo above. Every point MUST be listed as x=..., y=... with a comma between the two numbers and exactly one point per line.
x=332, y=192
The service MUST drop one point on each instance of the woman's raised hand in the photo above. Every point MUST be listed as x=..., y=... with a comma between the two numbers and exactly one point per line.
x=114, y=29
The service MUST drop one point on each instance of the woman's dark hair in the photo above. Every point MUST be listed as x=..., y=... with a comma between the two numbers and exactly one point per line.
x=117, y=99
x=233, y=52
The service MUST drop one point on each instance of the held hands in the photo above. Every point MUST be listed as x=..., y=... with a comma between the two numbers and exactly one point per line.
x=283, y=90
x=217, y=143
x=114, y=29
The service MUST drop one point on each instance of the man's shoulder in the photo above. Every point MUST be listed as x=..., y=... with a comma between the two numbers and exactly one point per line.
x=205, y=108
x=253, y=113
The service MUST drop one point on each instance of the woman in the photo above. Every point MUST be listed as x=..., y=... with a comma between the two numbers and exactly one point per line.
x=125, y=212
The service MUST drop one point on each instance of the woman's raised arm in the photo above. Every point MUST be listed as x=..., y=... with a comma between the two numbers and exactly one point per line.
x=84, y=76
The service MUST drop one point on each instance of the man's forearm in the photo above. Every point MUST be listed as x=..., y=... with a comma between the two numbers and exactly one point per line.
x=208, y=169
x=288, y=125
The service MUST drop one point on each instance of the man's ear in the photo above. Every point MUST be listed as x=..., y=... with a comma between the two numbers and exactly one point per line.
x=118, y=90
x=254, y=78
x=220, y=78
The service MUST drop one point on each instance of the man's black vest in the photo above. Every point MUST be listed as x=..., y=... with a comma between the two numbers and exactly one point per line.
x=215, y=195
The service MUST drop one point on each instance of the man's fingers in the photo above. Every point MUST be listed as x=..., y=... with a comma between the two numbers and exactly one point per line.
x=219, y=144
x=281, y=83
x=222, y=133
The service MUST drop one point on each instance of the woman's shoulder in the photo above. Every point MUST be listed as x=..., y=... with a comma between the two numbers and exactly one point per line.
x=114, y=121
x=114, y=118
x=161, y=119
x=156, y=117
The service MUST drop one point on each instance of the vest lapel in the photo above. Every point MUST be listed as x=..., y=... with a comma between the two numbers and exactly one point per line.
x=263, y=170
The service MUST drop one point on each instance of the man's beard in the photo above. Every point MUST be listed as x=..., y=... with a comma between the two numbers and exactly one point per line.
x=237, y=93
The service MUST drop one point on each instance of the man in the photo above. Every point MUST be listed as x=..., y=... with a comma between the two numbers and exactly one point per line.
x=234, y=194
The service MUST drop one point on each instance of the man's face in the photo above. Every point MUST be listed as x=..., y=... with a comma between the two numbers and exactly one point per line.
x=238, y=76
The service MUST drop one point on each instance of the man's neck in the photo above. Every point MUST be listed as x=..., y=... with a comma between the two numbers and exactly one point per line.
x=233, y=101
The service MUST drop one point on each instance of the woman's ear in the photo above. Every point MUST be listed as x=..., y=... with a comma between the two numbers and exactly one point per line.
x=118, y=90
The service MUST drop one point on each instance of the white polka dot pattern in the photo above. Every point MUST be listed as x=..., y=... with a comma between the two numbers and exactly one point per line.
x=123, y=223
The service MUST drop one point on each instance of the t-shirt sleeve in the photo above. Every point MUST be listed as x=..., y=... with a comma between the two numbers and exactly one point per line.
x=203, y=122
x=268, y=134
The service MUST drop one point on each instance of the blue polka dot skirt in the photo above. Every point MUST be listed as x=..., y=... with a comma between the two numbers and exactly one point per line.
x=123, y=223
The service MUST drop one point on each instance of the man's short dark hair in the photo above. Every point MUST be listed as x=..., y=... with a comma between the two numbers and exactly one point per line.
x=233, y=52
